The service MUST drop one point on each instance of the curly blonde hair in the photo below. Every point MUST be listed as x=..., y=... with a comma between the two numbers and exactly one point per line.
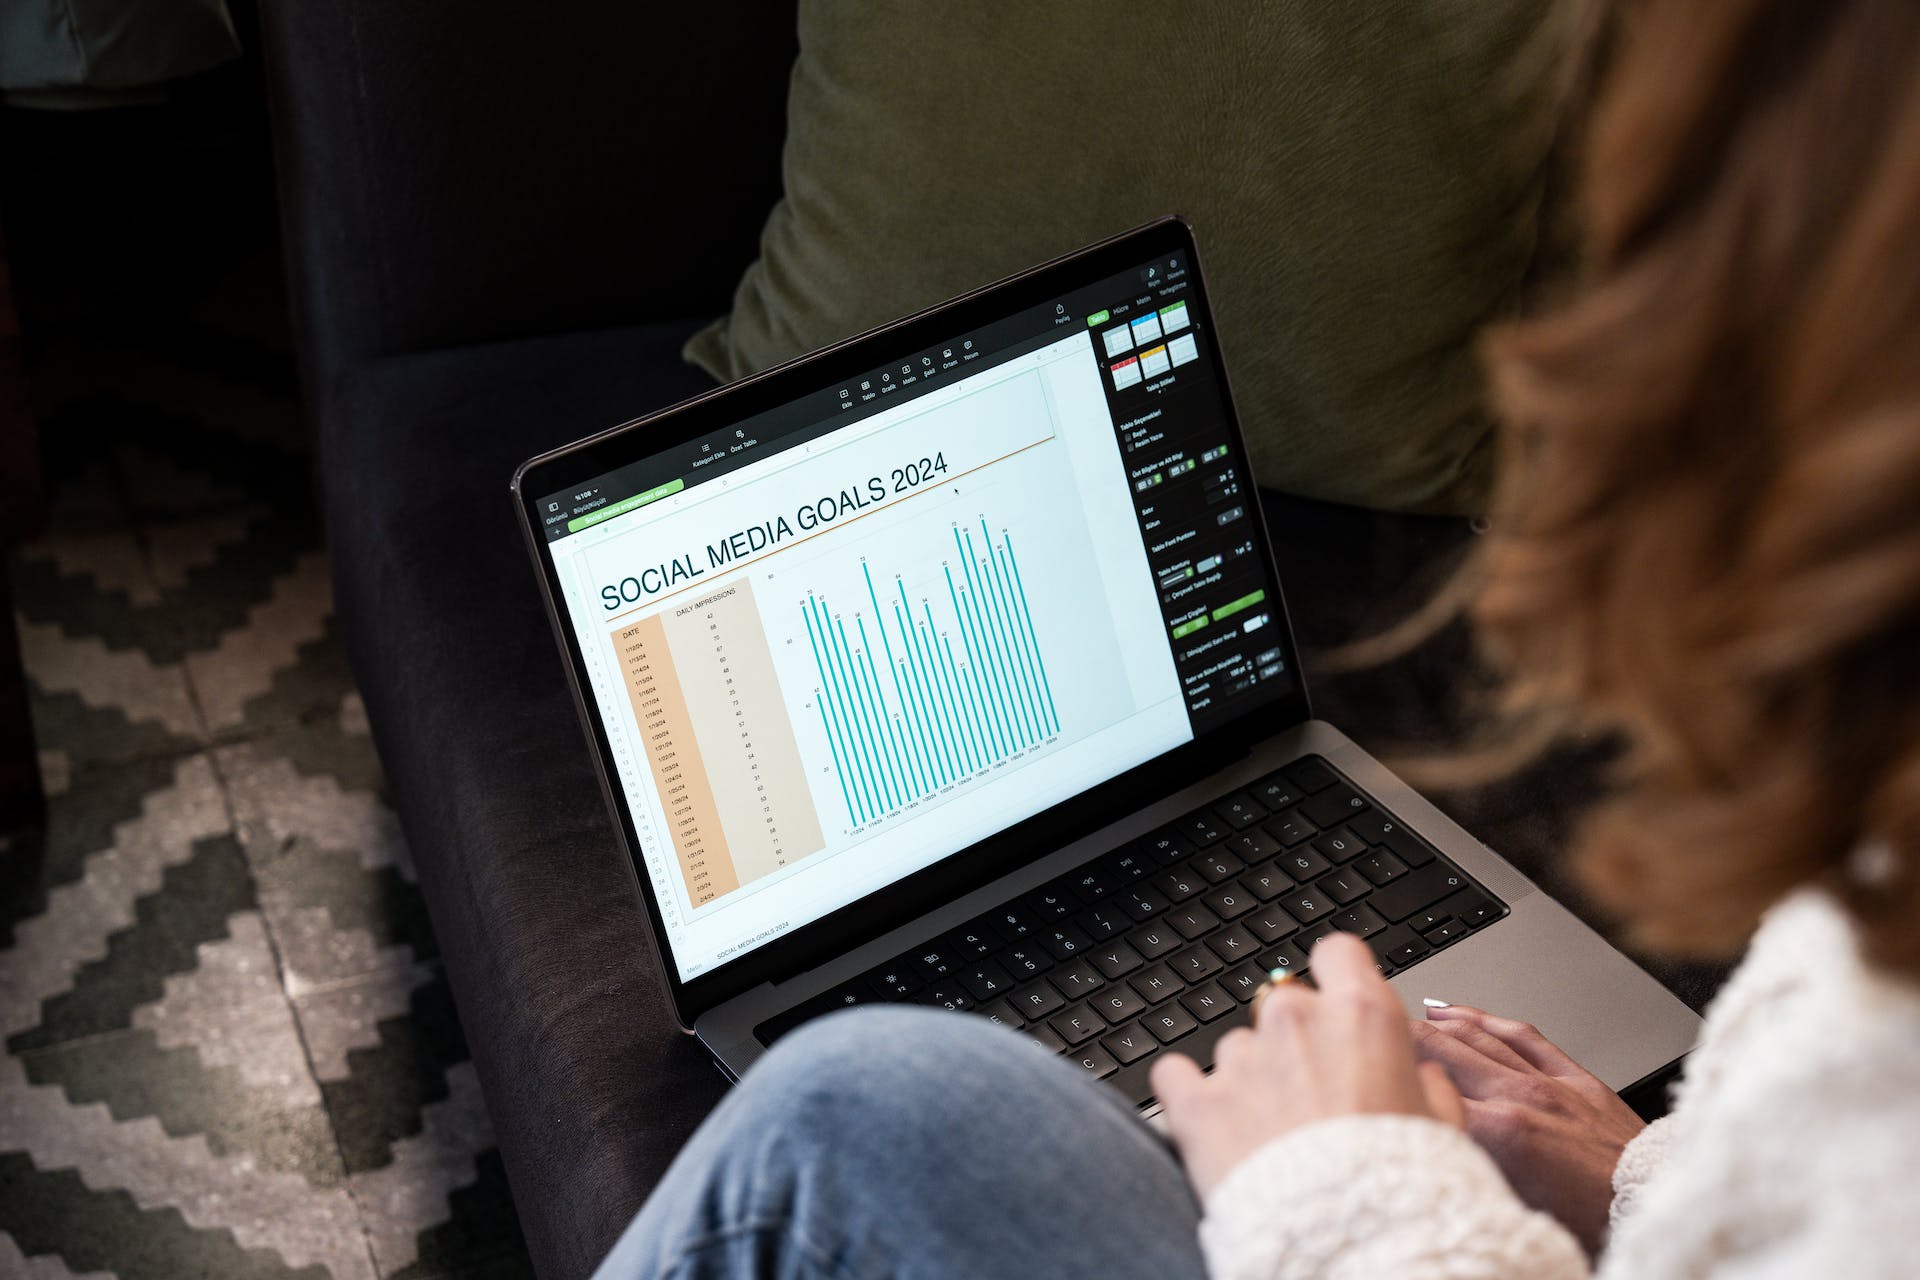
x=1706, y=535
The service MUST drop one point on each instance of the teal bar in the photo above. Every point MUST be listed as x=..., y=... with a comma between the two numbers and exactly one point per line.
x=1019, y=635
x=930, y=654
x=1002, y=742
x=1005, y=685
x=842, y=713
x=1029, y=692
x=889, y=726
x=876, y=740
x=877, y=779
x=972, y=715
x=922, y=776
x=819, y=704
x=972, y=663
x=833, y=738
x=929, y=709
x=929, y=733
x=1038, y=658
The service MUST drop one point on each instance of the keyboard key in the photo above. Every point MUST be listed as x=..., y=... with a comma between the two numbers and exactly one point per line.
x=1409, y=951
x=1292, y=828
x=1362, y=921
x=947, y=994
x=1001, y=1012
x=986, y=981
x=1115, y=959
x=1035, y=1001
x=1333, y=806
x=1053, y=903
x=1422, y=888
x=1093, y=884
x=1203, y=829
x=1275, y=792
x=1094, y=1061
x=1025, y=961
x=1230, y=902
x=1440, y=935
x=1340, y=845
x=1218, y=865
x=1195, y=963
x=1014, y=921
x=1267, y=883
x=1344, y=886
x=1156, y=983
x=1192, y=920
x=1076, y=979
x=1208, y=1002
x=1118, y=1003
x=1243, y=983
x=1252, y=846
x=1169, y=1022
x=1233, y=945
x=1166, y=846
x=1041, y=1034
x=1380, y=867
x=1427, y=917
x=1127, y=865
x=1287, y=956
x=1306, y=905
x=1303, y=863
x=1143, y=904
x=1064, y=941
x=1471, y=908
x=1103, y=922
x=1240, y=811
x=1077, y=1025
x=974, y=941
x=1309, y=938
x=894, y=981
x=1376, y=828
x=1154, y=940
x=1310, y=774
x=1270, y=923
x=1130, y=1044
x=934, y=962
x=1179, y=885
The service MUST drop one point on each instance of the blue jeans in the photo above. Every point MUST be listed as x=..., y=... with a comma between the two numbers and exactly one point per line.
x=906, y=1142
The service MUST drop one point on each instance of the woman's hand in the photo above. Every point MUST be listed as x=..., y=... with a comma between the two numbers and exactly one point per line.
x=1554, y=1129
x=1346, y=1049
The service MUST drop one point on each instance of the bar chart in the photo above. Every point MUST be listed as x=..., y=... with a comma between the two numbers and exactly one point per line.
x=918, y=691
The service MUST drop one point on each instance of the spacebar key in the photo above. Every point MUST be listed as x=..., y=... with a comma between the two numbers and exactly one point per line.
x=1401, y=898
x=1197, y=1044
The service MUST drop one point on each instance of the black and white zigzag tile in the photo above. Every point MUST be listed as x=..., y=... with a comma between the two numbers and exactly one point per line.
x=227, y=1047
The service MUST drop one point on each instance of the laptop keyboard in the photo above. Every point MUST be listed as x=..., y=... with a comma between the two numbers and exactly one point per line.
x=1163, y=943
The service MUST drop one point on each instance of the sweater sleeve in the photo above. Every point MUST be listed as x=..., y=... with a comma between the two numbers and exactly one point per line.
x=1642, y=1158
x=1378, y=1195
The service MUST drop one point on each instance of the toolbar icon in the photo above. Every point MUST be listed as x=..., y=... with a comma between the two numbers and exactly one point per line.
x=866, y=384
x=947, y=354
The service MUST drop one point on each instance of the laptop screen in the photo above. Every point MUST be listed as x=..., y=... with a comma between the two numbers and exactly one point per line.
x=838, y=641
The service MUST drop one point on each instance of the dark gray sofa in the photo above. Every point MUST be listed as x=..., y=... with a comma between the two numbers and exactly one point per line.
x=502, y=221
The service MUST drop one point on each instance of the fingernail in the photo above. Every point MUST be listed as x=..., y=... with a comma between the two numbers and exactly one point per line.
x=1431, y=1003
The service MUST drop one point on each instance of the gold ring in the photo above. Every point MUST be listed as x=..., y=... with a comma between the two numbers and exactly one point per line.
x=1275, y=980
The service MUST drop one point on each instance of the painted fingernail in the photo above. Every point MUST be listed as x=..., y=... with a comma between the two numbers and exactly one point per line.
x=1431, y=1003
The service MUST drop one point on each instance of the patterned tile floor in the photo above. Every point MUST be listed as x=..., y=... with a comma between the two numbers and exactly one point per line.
x=229, y=1046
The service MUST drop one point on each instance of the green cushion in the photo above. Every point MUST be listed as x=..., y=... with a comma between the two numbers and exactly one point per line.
x=1364, y=179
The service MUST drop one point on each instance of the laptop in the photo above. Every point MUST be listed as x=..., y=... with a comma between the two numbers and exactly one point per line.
x=949, y=666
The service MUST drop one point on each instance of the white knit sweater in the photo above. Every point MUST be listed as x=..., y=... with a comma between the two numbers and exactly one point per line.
x=1793, y=1150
